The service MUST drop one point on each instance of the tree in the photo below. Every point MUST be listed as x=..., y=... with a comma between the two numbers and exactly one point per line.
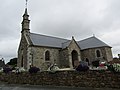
x=12, y=62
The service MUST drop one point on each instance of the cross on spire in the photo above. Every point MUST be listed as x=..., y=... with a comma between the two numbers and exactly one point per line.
x=26, y=3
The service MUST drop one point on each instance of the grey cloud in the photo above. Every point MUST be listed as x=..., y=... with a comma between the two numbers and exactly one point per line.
x=62, y=18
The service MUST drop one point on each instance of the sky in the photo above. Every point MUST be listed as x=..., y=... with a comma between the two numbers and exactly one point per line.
x=61, y=18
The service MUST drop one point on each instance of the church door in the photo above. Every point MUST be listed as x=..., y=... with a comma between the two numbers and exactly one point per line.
x=75, y=61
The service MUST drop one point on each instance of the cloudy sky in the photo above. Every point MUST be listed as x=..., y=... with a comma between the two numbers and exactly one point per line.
x=60, y=18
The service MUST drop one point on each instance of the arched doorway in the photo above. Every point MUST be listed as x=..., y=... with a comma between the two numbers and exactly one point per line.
x=87, y=60
x=74, y=58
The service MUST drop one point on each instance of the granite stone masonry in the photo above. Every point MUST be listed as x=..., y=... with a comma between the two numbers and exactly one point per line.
x=94, y=79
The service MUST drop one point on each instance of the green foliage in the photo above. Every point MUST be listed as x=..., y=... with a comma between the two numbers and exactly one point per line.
x=13, y=62
x=114, y=67
x=95, y=63
x=110, y=68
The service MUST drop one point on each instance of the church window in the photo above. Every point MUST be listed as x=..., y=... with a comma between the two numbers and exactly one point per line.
x=22, y=62
x=98, y=53
x=47, y=56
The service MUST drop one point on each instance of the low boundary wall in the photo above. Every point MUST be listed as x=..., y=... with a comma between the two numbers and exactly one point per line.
x=95, y=79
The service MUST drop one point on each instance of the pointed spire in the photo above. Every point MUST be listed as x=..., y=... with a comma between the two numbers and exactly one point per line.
x=25, y=15
x=26, y=11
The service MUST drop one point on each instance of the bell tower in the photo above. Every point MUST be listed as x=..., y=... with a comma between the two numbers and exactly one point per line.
x=25, y=23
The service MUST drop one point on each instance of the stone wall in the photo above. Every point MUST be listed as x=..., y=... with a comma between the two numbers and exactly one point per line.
x=22, y=53
x=106, y=54
x=39, y=57
x=96, y=79
x=64, y=58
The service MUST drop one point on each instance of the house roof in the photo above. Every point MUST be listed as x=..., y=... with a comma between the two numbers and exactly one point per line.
x=49, y=41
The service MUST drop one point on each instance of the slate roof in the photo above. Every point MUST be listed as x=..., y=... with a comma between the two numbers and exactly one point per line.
x=65, y=44
x=49, y=41
x=91, y=42
x=43, y=40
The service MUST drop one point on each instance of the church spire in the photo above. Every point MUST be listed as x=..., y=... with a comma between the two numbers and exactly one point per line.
x=25, y=23
x=26, y=11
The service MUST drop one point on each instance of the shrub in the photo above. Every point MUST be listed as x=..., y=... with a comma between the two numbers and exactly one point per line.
x=82, y=67
x=95, y=63
x=110, y=68
x=7, y=70
x=34, y=70
x=116, y=67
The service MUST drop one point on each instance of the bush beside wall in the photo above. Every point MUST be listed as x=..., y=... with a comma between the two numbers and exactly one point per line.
x=94, y=79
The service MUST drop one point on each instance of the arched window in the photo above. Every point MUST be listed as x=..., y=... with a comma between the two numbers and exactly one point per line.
x=47, y=56
x=98, y=53
x=22, y=62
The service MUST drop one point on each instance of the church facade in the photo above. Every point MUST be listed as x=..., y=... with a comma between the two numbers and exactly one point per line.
x=42, y=51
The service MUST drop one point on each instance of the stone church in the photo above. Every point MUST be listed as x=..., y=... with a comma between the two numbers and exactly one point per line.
x=42, y=50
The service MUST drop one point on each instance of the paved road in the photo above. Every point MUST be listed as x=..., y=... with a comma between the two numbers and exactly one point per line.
x=28, y=87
